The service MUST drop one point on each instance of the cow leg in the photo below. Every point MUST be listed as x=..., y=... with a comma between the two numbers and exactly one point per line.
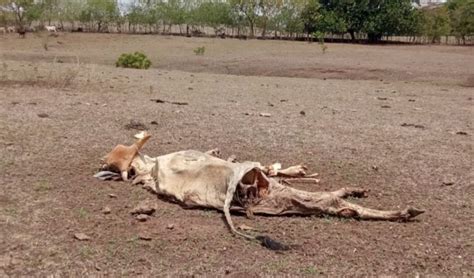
x=338, y=207
x=350, y=192
x=283, y=200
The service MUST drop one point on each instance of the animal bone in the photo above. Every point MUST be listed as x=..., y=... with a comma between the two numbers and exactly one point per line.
x=297, y=171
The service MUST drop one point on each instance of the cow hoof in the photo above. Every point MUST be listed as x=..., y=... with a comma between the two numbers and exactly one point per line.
x=410, y=213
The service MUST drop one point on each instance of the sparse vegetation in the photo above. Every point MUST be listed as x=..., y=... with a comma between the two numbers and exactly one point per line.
x=320, y=37
x=43, y=186
x=135, y=60
x=83, y=213
x=4, y=75
x=199, y=50
x=311, y=271
x=361, y=19
x=54, y=75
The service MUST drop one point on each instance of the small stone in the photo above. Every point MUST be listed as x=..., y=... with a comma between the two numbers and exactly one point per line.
x=266, y=115
x=302, y=113
x=43, y=115
x=106, y=210
x=375, y=167
x=81, y=236
x=461, y=133
x=154, y=122
x=133, y=124
x=244, y=227
x=144, y=207
x=111, y=195
x=142, y=217
x=386, y=106
x=143, y=236
x=170, y=227
x=447, y=183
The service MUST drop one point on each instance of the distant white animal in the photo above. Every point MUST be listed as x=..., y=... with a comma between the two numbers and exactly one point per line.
x=51, y=28
x=11, y=29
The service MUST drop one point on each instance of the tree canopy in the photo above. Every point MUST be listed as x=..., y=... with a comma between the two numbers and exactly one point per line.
x=370, y=19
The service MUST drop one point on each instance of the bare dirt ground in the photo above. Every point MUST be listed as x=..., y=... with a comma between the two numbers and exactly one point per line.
x=394, y=119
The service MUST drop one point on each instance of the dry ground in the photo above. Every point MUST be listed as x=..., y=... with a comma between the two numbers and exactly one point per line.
x=399, y=108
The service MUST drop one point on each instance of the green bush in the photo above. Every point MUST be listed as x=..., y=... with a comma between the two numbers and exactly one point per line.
x=135, y=60
x=199, y=50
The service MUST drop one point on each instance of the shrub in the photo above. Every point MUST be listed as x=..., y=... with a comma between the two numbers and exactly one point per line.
x=200, y=50
x=320, y=37
x=135, y=60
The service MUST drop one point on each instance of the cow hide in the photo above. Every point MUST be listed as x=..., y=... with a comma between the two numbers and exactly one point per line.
x=199, y=180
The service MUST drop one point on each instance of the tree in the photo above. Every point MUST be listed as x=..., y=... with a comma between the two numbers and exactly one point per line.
x=267, y=10
x=213, y=14
x=437, y=23
x=390, y=18
x=375, y=18
x=173, y=12
x=461, y=14
x=247, y=8
x=70, y=11
x=24, y=12
x=100, y=13
x=310, y=16
x=352, y=12
x=331, y=23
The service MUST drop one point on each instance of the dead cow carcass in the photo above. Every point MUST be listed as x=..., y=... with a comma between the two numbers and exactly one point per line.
x=196, y=179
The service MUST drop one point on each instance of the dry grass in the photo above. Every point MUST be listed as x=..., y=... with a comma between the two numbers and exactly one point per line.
x=48, y=192
x=438, y=64
x=51, y=75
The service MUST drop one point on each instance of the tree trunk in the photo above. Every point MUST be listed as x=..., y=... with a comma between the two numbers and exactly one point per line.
x=352, y=33
x=251, y=29
x=264, y=30
x=374, y=38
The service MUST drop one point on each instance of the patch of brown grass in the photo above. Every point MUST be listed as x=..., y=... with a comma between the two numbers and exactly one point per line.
x=469, y=82
x=49, y=77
